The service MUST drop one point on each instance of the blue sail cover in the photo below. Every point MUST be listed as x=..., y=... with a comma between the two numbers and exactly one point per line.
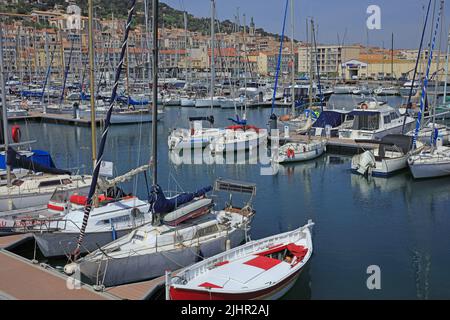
x=238, y=120
x=132, y=102
x=43, y=164
x=331, y=118
x=163, y=205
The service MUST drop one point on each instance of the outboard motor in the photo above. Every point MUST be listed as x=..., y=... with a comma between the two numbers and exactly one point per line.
x=366, y=161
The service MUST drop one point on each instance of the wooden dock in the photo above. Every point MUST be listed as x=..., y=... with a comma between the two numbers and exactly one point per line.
x=22, y=279
x=345, y=146
x=56, y=118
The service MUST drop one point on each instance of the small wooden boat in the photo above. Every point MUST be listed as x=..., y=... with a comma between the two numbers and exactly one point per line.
x=260, y=269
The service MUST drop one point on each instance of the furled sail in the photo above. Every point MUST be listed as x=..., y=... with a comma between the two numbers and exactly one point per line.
x=16, y=160
x=162, y=205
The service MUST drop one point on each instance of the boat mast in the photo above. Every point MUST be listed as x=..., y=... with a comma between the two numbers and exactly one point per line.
x=92, y=82
x=185, y=47
x=293, y=59
x=419, y=56
x=155, y=90
x=446, y=69
x=436, y=82
x=101, y=149
x=4, y=108
x=213, y=9
x=425, y=82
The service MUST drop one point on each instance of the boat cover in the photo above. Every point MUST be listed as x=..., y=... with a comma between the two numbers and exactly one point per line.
x=132, y=102
x=160, y=204
x=41, y=161
x=331, y=118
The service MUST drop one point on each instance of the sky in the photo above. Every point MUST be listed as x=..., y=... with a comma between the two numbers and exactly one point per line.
x=404, y=18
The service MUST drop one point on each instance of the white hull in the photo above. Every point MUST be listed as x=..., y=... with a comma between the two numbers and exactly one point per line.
x=425, y=169
x=299, y=156
x=142, y=267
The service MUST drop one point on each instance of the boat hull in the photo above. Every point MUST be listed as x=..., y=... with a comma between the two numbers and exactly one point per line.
x=384, y=168
x=57, y=244
x=273, y=293
x=429, y=170
x=147, y=266
x=303, y=156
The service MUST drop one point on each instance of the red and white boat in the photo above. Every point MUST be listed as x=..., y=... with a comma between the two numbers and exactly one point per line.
x=261, y=269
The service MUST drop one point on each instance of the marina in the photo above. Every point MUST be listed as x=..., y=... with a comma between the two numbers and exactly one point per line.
x=146, y=175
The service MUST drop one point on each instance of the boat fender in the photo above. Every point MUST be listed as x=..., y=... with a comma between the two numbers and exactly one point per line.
x=304, y=148
x=15, y=133
x=70, y=268
x=290, y=153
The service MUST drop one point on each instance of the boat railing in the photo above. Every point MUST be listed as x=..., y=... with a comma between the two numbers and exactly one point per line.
x=250, y=247
x=39, y=225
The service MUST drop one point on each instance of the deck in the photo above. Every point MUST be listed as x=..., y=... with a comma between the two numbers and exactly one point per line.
x=56, y=118
x=333, y=144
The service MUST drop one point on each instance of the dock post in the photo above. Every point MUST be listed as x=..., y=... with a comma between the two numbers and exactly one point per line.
x=168, y=273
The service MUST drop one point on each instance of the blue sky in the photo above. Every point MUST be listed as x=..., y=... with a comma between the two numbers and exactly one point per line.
x=403, y=17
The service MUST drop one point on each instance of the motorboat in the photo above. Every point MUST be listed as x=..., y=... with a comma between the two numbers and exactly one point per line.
x=264, y=269
x=373, y=120
x=388, y=157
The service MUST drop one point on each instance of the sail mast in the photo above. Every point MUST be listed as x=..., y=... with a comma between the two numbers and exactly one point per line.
x=292, y=59
x=425, y=82
x=92, y=190
x=91, y=82
x=155, y=90
x=408, y=104
x=4, y=107
x=213, y=67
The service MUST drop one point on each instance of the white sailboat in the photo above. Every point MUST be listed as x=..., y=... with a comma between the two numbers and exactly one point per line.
x=433, y=161
x=300, y=151
x=153, y=248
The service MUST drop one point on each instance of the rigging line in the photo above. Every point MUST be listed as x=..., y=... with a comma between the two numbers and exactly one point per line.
x=92, y=190
x=408, y=104
x=279, y=58
x=425, y=82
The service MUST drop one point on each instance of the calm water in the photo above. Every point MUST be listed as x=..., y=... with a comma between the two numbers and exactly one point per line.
x=399, y=224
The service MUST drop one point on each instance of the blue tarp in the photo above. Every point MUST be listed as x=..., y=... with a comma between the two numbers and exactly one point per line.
x=39, y=156
x=331, y=118
x=133, y=102
x=163, y=205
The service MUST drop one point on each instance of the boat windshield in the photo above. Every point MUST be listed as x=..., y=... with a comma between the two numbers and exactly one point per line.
x=368, y=121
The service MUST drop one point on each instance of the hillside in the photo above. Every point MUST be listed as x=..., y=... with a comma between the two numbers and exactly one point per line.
x=169, y=17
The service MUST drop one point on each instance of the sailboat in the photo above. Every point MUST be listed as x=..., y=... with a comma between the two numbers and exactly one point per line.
x=433, y=161
x=179, y=240
x=175, y=237
x=33, y=189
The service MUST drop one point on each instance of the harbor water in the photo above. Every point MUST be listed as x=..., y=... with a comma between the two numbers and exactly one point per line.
x=398, y=224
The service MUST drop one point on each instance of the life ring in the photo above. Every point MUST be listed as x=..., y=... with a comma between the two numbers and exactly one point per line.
x=364, y=106
x=290, y=153
x=15, y=133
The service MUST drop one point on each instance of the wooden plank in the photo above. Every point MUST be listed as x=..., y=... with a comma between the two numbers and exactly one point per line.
x=9, y=241
x=139, y=290
x=20, y=279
